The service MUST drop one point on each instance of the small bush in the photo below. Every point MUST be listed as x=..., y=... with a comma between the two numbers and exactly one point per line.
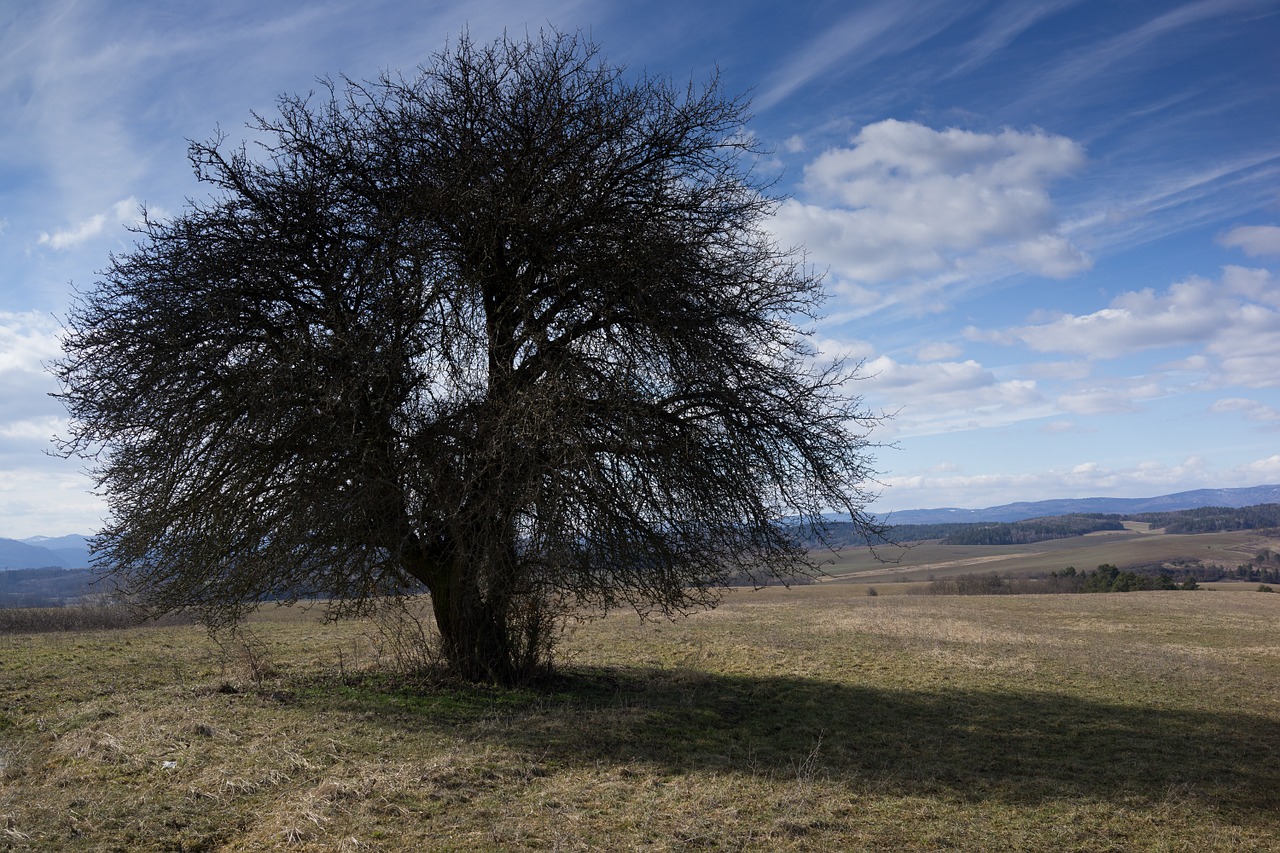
x=1262, y=587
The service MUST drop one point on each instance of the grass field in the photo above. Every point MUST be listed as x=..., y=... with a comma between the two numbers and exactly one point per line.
x=816, y=718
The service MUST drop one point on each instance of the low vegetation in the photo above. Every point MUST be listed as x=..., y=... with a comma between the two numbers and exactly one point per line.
x=82, y=617
x=815, y=718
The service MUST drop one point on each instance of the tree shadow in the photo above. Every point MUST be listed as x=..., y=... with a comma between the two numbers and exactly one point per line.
x=1024, y=748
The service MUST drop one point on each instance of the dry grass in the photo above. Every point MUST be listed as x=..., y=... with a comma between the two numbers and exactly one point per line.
x=813, y=719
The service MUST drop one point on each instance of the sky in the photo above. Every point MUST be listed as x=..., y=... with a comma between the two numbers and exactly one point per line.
x=1050, y=230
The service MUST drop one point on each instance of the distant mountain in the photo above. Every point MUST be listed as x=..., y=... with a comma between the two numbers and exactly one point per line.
x=1250, y=496
x=39, y=552
x=73, y=549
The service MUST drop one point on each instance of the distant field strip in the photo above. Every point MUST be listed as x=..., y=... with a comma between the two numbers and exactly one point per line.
x=946, y=564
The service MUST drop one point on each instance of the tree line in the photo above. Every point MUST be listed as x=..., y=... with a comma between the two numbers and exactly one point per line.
x=1106, y=578
x=844, y=535
x=1188, y=521
x=1213, y=519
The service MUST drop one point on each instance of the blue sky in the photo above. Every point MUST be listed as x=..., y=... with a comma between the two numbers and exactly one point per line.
x=1051, y=230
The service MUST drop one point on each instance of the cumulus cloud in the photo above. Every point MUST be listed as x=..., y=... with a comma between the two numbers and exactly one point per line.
x=945, y=396
x=1235, y=322
x=1261, y=470
x=123, y=212
x=905, y=201
x=830, y=349
x=1253, y=240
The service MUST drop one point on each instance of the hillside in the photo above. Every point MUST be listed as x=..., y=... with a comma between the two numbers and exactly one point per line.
x=1126, y=506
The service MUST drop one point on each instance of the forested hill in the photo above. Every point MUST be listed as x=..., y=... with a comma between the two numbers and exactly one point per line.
x=1202, y=520
x=1013, y=533
x=1213, y=519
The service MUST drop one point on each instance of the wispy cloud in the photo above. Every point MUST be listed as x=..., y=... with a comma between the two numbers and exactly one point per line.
x=1002, y=27
x=1080, y=71
x=124, y=212
x=871, y=33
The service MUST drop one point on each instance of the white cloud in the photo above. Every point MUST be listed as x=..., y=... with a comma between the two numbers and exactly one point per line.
x=928, y=379
x=27, y=340
x=1256, y=284
x=830, y=349
x=1253, y=240
x=1228, y=320
x=909, y=202
x=41, y=429
x=944, y=396
x=1264, y=470
x=123, y=212
x=1250, y=409
x=48, y=501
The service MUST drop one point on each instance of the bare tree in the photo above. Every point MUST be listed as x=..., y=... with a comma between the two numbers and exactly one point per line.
x=512, y=329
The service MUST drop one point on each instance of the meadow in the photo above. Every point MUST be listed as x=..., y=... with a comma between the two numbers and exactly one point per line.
x=814, y=718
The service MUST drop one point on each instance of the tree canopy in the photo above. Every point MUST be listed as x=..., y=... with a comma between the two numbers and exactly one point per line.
x=512, y=329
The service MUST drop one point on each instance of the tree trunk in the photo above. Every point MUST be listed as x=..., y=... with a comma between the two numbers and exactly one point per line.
x=473, y=630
